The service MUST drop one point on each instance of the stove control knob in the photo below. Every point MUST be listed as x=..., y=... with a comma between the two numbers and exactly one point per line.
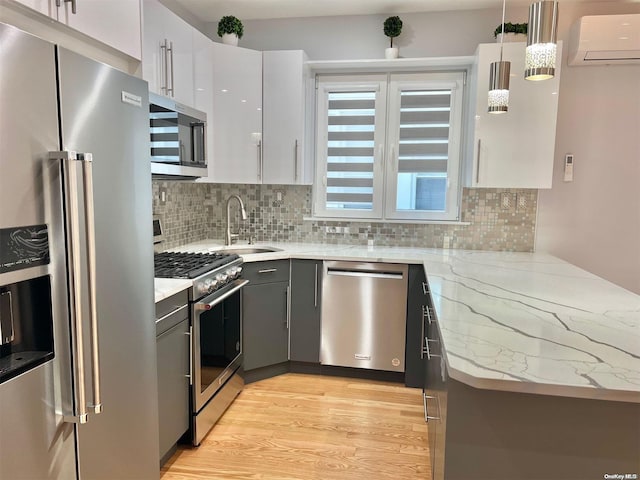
x=203, y=288
x=232, y=272
x=221, y=278
x=209, y=285
x=239, y=270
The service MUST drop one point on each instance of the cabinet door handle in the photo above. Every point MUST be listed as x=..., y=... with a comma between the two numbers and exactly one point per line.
x=315, y=289
x=425, y=397
x=268, y=270
x=478, y=161
x=170, y=51
x=73, y=5
x=163, y=66
x=259, y=159
x=190, y=335
x=422, y=335
x=427, y=350
x=295, y=160
x=286, y=304
x=425, y=288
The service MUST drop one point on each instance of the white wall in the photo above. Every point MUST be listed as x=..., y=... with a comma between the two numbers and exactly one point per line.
x=593, y=222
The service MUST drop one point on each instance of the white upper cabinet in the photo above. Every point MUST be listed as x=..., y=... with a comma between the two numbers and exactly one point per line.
x=115, y=23
x=513, y=149
x=203, y=84
x=285, y=77
x=167, y=61
x=237, y=115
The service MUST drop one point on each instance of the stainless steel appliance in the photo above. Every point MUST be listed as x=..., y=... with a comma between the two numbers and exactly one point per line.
x=216, y=315
x=89, y=412
x=363, y=321
x=177, y=134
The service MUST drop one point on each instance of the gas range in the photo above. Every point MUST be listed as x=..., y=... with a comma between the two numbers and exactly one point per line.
x=209, y=271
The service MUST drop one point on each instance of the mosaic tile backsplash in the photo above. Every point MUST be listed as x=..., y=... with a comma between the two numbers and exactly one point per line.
x=500, y=219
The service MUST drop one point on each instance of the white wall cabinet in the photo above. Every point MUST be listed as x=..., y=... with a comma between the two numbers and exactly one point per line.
x=237, y=115
x=115, y=23
x=167, y=62
x=285, y=155
x=514, y=149
x=203, y=84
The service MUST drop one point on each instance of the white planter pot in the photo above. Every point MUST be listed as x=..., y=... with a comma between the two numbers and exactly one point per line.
x=391, y=52
x=512, y=37
x=230, y=39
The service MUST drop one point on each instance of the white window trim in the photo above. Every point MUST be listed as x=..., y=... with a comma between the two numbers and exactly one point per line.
x=363, y=83
x=385, y=181
x=450, y=80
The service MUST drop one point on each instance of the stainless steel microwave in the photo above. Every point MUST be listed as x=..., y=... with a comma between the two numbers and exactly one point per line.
x=178, y=138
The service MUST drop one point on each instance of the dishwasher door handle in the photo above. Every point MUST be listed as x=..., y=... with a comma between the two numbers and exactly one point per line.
x=356, y=273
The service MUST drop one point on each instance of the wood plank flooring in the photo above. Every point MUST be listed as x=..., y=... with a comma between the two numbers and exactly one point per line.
x=309, y=427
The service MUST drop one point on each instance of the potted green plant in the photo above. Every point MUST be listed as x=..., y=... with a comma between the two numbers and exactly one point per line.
x=392, y=28
x=513, y=32
x=230, y=29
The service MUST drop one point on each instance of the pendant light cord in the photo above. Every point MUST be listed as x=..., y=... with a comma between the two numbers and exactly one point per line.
x=504, y=6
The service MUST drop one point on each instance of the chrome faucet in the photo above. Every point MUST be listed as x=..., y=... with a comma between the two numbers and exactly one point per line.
x=233, y=236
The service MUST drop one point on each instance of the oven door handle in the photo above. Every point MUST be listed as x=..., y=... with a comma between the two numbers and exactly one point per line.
x=212, y=300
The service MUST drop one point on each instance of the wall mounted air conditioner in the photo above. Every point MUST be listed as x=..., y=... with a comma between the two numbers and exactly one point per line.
x=605, y=39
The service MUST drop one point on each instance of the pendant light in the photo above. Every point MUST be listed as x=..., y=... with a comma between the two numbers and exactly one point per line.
x=498, y=98
x=540, y=60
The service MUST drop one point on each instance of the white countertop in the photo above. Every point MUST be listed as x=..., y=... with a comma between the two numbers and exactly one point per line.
x=165, y=287
x=525, y=322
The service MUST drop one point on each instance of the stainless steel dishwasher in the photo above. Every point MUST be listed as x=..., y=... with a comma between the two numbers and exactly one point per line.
x=364, y=309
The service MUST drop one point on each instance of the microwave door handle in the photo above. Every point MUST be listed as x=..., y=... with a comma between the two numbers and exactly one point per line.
x=87, y=174
x=68, y=160
x=197, y=148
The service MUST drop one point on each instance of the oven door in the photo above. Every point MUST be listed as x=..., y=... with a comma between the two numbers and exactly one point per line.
x=217, y=340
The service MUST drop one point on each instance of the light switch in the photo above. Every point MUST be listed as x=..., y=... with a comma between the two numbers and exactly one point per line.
x=568, y=168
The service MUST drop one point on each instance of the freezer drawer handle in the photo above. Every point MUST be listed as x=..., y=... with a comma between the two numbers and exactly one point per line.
x=69, y=161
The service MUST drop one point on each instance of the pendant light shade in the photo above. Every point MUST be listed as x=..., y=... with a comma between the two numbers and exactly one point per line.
x=540, y=60
x=498, y=97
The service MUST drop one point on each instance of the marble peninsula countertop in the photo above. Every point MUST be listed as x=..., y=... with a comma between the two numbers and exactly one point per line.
x=523, y=322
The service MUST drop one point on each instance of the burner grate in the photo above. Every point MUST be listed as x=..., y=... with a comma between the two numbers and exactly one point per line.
x=189, y=265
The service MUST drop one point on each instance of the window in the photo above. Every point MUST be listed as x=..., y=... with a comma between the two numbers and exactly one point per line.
x=389, y=146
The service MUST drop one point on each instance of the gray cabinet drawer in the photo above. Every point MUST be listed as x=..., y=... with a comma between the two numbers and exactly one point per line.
x=266, y=272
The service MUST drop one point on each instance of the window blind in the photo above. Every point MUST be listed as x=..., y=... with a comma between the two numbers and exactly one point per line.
x=350, y=150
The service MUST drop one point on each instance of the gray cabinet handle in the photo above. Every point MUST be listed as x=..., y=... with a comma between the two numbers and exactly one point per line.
x=422, y=335
x=427, y=350
x=425, y=288
x=268, y=270
x=315, y=289
x=190, y=335
x=426, y=313
x=287, y=304
x=425, y=397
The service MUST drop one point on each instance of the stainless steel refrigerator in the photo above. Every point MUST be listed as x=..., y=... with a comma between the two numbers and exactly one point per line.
x=78, y=384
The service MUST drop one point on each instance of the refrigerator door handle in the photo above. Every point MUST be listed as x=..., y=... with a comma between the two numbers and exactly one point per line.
x=87, y=174
x=69, y=161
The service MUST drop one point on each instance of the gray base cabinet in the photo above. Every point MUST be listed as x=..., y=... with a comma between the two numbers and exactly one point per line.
x=417, y=302
x=173, y=384
x=306, y=283
x=265, y=314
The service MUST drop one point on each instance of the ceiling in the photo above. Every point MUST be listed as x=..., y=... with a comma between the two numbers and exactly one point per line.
x=213, y=10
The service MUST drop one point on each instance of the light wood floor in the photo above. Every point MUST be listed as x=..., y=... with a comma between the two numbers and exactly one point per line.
x=308, y=427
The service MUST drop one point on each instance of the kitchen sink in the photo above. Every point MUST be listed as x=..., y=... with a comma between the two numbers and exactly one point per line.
x=251, y=250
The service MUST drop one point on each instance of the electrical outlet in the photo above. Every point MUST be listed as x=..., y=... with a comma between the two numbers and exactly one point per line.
x=162, y=196
x=506, y=201
x=523, y=202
